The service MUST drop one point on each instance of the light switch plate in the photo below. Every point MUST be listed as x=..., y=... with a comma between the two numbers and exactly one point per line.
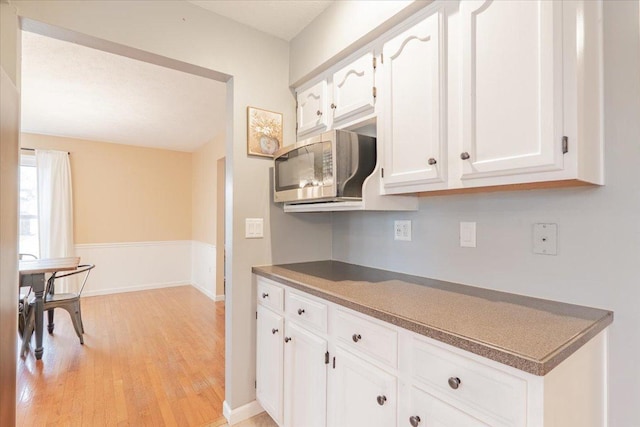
x=402, y=230
x=467, y=234
x=545, y=239
x=254, y=228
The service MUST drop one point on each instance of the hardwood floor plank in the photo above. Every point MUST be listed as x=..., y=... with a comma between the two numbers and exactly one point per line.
x=150, y=358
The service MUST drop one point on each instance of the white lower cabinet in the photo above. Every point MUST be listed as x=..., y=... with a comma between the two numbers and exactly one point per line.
x=361, y=393
x=270, y=366
x=425, y=410
x=305, y=378
x=321, y=364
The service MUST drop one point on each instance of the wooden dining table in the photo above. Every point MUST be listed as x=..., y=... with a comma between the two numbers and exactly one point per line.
x=32, y=273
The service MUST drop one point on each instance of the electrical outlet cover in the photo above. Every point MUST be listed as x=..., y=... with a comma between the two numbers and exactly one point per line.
x=402, y=230
x=545, y=239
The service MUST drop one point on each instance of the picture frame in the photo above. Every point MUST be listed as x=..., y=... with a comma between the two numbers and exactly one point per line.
x=264, y=132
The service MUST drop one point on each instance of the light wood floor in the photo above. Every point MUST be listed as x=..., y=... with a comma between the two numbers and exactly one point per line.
x=150, y=358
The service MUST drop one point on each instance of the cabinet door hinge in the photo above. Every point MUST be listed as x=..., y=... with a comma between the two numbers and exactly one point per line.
x=565, y=144
x=381, y=172
x=382, y=58
x=326, y=358
x=334, y=362
x=256, y=315
x=255, y=384
x=375, y=92
x=375, y=62
x=296, y=126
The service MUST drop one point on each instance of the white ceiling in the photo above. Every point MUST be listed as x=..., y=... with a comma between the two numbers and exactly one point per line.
x=74, y=91
x=283, y=19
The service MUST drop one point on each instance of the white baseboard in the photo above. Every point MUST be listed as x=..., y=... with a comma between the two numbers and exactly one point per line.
x=133, y=288
x=244, y=412
x=218, y=298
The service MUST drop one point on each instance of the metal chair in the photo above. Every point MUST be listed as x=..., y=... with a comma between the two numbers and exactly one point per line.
x=23, y=298
x=67, y=301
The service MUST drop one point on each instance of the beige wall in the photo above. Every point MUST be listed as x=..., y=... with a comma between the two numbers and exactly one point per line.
x=123, y=193
x=204, y=184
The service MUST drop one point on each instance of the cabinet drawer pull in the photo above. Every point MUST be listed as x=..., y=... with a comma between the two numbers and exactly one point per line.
x=454, y=382
x=356, y=337
x=432, y=161
x=265, y=295
x=465, y=156
x=333, y=106
x=274, y=331
x=318, y=113
x=287, y=339
x=414, y=420
x=381, y=400
x=300, y=311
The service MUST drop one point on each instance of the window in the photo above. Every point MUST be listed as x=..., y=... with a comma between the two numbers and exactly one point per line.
x=29, y=238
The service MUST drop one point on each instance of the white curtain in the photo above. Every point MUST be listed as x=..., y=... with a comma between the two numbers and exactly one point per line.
x=55, y=205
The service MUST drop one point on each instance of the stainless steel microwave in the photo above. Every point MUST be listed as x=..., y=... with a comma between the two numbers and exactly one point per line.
x=328, y=167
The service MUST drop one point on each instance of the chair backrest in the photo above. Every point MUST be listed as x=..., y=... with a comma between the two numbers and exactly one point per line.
x=82, y=269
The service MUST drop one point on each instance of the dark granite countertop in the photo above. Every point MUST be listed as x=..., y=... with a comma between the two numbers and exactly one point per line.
x=531, y=334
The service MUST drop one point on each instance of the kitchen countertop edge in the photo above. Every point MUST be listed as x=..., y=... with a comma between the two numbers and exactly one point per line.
x=484, y=349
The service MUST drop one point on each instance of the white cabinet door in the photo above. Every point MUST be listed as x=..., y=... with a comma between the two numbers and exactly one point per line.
x=305, y=378
x=427, y=411
x=414, y=105
x=362, y=394
x=511, y=87
x=312, y=114
x=353, y=88
x=269, y=366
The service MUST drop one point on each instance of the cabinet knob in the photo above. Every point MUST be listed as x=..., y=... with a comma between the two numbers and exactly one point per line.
x=318, y=113
x=414, y=420
x=333, y=106
x=300, y=311
x=432, y=161
x=381, y=400
x=274, y=330
x=287, y=339
x=454, y=382
x=265, y=295
x=356, y=337
x=465, y=156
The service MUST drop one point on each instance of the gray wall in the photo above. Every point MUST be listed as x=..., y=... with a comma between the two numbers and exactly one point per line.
x=598, y=263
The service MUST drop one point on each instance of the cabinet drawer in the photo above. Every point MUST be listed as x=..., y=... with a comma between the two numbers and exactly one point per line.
x=307, y=311
x=270, y=294
x=367, y=336
x=482, y=388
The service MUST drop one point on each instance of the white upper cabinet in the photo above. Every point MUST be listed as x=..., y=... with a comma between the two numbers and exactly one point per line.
x=414, y=105
x=511, y=87
x=345, y=96
x=312, y=108
x=353, y=88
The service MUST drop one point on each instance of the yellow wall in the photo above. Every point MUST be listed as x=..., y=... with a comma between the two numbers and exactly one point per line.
x=123, y=193
x=203, y=198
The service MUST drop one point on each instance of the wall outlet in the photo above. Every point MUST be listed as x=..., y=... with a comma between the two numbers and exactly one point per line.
x=254, y=228
x=467, y=234
x=545, y=239
x=402, y=230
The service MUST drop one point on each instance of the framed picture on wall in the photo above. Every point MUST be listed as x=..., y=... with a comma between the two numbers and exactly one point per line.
x=264, y=132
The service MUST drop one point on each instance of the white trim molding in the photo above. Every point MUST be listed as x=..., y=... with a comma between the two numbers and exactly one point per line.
x=203, y=268
x=135, y=266
x=244, y=412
